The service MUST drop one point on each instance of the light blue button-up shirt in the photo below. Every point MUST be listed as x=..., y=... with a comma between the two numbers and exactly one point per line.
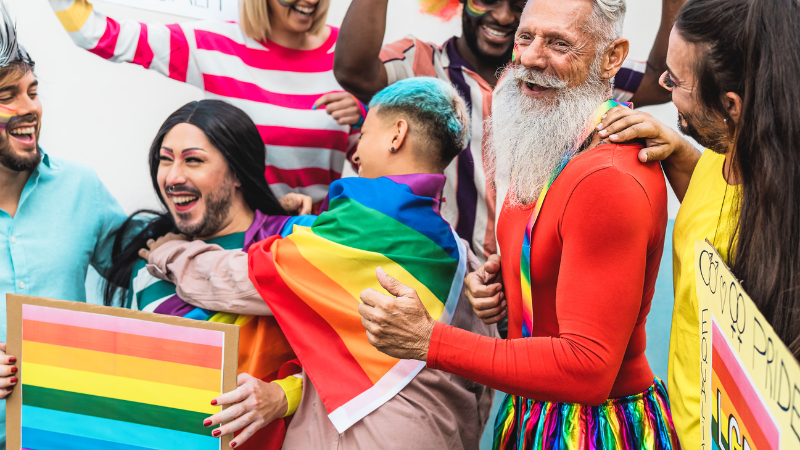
x=64, y=222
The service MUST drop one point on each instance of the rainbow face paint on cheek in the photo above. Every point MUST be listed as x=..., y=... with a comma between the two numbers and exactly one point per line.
x=475, y=9
x=287, y=3
x=6, y=114
x=515, y=55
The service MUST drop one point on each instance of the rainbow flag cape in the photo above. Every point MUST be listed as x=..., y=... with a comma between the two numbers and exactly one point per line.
x=93, y=381
x=313, y=278
x=264, y=352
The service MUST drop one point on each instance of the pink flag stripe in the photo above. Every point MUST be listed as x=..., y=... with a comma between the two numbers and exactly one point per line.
x=295, y=178
x=745, y=386
x=108, y=42
x=303, y=137
x=144, y=54
x=178, y=53
x=123, y=325
x=231, y=87
x=264, y=59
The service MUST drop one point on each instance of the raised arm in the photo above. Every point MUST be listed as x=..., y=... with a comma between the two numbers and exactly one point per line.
x=163, y=48
x=649, y=91
x=357, y=63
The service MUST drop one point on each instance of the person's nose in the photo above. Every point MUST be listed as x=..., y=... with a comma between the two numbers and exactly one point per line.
x=504, y=15
x=25, y=105
x=534, y=56
x=176, y=175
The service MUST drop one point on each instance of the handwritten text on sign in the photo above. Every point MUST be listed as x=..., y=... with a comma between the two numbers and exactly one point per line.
x=227, y=10
x=750, y=391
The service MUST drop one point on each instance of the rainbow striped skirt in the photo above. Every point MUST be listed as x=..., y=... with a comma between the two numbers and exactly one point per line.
x=637, y=422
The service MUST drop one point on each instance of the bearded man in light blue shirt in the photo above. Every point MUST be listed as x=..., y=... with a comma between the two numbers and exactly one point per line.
x=56, y=216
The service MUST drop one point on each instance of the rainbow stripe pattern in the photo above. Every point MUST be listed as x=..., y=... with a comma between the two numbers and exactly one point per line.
x=637, y=422
x=525, y=258
x=312, y=281
x=6, y=114
x=91, y=381
x=738, y=411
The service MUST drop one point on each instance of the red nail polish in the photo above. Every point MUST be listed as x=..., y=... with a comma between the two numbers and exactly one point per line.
x=10, y=389
x=214, y=402
x=12, y=360
x=234, y=444
x=14, y=380
x=207, y=423
x=216, y=433
x=14, y=369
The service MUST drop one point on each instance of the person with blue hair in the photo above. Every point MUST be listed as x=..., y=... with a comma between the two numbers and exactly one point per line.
x=413, y=131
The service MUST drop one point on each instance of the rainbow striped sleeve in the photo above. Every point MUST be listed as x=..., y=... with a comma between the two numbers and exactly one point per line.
x=100, y=382
x=313, y=279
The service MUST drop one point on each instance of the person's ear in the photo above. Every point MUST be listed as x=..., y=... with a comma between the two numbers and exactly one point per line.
x=400, y=135
x=613, y=58
x=236, y=183
x=734, y=106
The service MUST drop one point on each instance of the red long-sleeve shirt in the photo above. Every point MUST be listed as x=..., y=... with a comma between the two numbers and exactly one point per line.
x=595, y=254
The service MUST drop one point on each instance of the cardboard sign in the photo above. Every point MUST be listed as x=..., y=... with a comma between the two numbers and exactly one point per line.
x=750, y=391
x=227, y=10
x=100, y=377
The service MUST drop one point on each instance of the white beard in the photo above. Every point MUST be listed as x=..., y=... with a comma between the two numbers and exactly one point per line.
x=531, y=137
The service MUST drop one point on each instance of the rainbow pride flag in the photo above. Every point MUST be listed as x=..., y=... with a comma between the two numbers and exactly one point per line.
x=91, y=381
x=312, y=280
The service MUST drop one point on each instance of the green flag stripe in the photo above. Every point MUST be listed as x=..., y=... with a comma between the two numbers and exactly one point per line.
x=110, y=408
x=421, y=257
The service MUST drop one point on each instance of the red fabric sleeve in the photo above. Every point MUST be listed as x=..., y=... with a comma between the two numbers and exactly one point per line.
x=606, y=229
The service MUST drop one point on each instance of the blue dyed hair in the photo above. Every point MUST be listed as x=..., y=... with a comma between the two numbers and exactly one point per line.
x=435, y=112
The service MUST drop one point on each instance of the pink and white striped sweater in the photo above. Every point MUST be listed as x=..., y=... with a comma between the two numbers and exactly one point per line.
x=276, y=86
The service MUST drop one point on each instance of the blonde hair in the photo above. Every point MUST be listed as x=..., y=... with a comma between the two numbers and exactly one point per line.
x=254, y=18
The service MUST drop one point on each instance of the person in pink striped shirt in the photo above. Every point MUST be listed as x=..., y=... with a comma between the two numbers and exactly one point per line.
x=276, y=65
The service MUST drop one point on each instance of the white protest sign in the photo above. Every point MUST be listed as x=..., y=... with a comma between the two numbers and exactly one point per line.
x=227, y=10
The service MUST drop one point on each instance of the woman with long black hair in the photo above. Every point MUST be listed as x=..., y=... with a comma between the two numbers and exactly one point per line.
x=207, y=168
x=732, y=68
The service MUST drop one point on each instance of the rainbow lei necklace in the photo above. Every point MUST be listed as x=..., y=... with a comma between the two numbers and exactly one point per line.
x=525, y=257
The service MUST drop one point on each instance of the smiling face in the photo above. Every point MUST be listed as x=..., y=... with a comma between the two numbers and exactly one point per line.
x=552, y=39
x=704, y=126
x=292, y=15
x=488, y=27
x=20, y=116
x=196, y=182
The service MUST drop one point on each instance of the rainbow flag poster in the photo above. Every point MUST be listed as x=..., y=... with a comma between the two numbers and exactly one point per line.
x=95, y=377
x=749, y=380
x=313, y=278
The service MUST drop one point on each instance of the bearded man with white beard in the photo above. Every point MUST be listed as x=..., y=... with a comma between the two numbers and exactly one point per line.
x=581, y=234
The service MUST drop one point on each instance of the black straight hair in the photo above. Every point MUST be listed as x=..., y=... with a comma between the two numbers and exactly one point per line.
x=235, y=135
x=750, y=47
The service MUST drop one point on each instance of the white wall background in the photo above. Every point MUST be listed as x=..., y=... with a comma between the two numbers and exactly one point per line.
x=106, y=114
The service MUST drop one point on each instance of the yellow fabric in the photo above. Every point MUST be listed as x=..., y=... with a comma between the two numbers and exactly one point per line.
x=73, y=18
x=121, y=388
x=341, y=263
x=124, y=366
x=293, y=388
x=697, y=219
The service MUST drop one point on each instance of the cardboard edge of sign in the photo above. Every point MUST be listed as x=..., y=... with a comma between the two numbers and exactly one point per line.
x=14, y=304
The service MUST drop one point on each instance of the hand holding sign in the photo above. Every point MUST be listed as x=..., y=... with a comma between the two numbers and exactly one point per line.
x=397, y=324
